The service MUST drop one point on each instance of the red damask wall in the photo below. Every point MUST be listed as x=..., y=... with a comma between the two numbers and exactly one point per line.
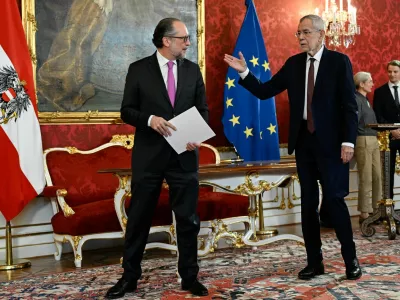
x=378, y=43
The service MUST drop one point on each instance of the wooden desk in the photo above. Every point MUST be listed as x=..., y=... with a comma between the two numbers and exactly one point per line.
x=252, y=178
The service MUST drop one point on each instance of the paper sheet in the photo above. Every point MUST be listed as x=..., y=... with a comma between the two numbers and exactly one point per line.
x=190, y=127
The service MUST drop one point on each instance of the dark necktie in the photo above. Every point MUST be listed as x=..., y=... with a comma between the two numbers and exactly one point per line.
x=396, y=95
x=310, y=91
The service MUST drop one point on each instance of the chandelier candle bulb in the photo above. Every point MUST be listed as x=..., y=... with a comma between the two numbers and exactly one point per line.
x=340, y=25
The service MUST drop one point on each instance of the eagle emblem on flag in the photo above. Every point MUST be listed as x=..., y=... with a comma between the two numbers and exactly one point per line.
x=13, y=98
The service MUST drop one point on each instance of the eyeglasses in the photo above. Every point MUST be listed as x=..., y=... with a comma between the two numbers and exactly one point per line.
x=306, y=33
x=184, y=38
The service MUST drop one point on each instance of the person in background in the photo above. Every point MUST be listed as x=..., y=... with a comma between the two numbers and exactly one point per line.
x=387, y=111
x=367, y=153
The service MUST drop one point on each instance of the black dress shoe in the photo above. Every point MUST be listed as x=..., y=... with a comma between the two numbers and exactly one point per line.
x=196, y=288
x=123, y=286
x=312, y=271
x=353, y=270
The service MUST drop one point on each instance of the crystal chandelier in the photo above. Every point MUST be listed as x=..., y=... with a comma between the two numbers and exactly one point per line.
x=340, y=25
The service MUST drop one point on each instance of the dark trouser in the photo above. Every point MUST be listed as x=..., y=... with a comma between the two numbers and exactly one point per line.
x=394, y=147
x=312, y=163
x=184, y=188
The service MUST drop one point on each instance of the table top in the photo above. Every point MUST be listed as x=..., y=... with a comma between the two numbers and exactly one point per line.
x=270, y=166
x=381, y=127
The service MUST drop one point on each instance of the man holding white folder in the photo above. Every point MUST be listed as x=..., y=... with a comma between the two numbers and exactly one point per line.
x=159, y=88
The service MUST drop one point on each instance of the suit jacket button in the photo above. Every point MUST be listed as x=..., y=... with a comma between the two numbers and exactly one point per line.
x=174, y=115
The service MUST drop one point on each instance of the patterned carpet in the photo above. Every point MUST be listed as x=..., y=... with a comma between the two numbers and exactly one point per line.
x=266, y=273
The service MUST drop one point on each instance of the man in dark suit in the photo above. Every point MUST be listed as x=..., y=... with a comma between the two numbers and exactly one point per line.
x=158, y=88
x=387, y=110
x=323, y=129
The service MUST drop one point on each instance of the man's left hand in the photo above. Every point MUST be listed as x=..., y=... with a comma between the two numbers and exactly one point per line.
x=347, y=154
x=192, y=146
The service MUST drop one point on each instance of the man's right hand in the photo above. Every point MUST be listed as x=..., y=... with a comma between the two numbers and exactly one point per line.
x=395, y=134
x=235, y=63
x=161, y=126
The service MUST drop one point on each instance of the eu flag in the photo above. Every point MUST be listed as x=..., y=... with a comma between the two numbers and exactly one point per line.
x=249, y=123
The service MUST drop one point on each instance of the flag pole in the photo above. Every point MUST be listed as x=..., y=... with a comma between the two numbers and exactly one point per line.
x=10, y=263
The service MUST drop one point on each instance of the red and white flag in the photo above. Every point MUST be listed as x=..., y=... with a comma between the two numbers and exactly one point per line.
x=21, y=167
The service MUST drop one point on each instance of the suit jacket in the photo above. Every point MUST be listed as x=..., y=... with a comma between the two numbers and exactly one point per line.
x=385, y=107
x=145, y=94
x=334, y=106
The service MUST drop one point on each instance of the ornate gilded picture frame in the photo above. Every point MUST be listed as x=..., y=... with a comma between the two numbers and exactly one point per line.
x=81, y=51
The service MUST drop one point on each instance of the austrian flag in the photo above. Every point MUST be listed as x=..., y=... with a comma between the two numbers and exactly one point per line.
x=21, y=174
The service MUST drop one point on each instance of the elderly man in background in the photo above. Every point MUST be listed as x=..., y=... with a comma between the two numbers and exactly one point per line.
x=367, y=152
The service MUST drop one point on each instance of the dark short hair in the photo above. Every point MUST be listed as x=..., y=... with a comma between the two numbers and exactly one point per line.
x=395, y=63
x=164, y=28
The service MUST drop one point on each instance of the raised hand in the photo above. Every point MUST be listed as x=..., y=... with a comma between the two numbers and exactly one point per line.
x=239, y=64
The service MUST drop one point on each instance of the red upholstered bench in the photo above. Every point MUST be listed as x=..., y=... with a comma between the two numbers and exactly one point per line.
x=83, y=200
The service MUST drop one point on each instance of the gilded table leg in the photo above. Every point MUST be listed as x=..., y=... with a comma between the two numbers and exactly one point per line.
x=385, y=209
x=251, y=239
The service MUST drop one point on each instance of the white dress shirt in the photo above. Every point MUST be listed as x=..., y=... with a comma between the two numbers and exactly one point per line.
x=162, y=61
x=317, y=61
x=391, y=85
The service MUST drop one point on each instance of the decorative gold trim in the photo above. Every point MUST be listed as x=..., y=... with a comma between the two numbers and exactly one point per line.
x=223, y=149
x=383, y=140
x=78, y=257
x=123, y=181
x=172, y=230
x=126, y=140
x=72, y=150
x=282, y=206
x=96, y=117
x=249, y=188
x=222, y=231
x=122, y=207
x=201, y=37
x=68, y=211
x=80, y=117
x=30, y=27
x=76, y=240
x=62, y=192
x=216, y=153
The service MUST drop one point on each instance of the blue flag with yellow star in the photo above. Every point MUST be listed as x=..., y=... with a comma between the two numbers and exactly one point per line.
x=249, y=123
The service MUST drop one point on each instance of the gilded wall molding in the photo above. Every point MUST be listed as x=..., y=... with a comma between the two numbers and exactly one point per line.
x=95, y=117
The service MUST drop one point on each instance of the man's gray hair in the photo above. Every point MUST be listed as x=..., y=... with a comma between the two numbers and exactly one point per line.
x=361, y=77
x=317, y=21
